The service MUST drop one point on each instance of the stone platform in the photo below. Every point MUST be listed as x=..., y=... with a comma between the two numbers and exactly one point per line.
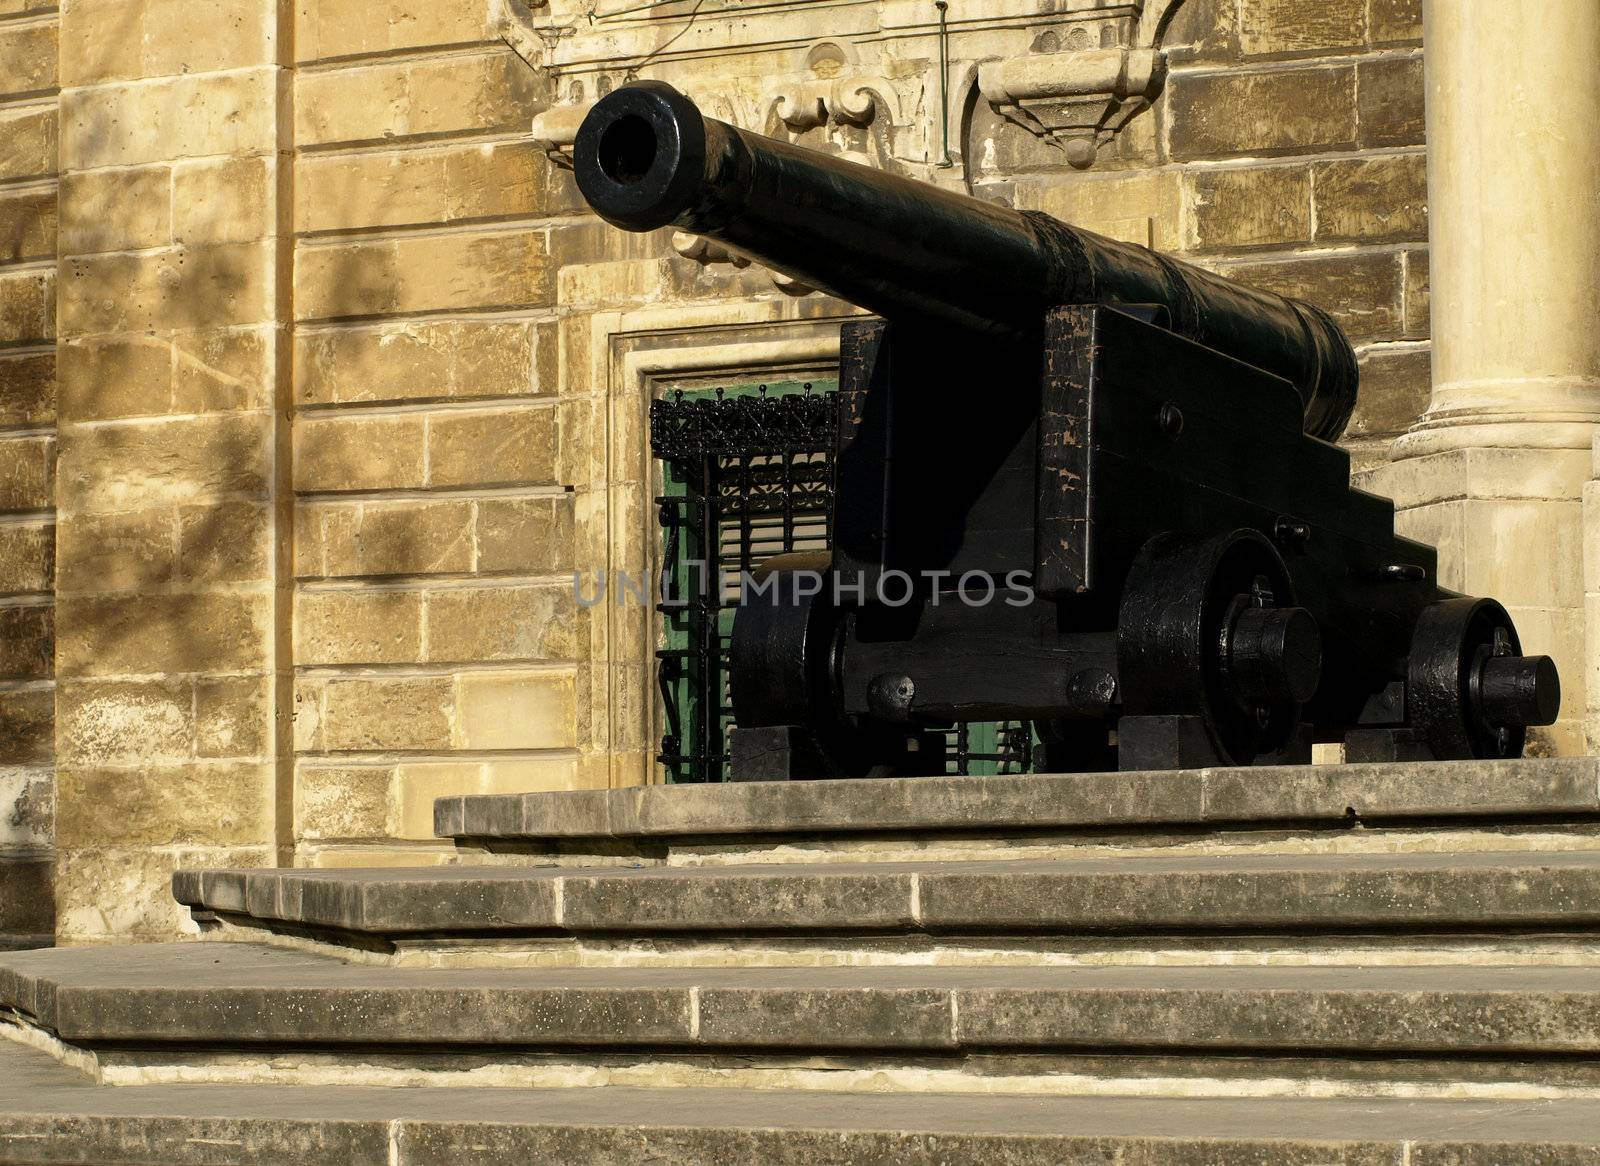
x=1339, y=964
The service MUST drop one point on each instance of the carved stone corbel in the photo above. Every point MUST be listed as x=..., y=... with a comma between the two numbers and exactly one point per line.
x=1080, y=100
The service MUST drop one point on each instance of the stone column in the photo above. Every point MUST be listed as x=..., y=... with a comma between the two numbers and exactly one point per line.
x=171, y=349
x=1494, y=471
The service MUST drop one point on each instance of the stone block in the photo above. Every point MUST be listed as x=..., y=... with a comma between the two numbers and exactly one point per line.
x=27, y=809
x=387, y=538
x=1390, y=109
x=231, y=201
x=538, y=622
x=457, y=183
x=198, y=287
x=1220, y=115
x=1203, y=30
x=28, y=226
x=27, y=641
x=401, y=99
x=1143, y=208
x=357, y=627
x=343, y=802
x=420, y=360
x=233, y=716
x=162, y=633
x=27, y=306
x=27, y=388
x=306, y=712
x=1360, y=289
x=533, y=710
x=1252, y=207
x=1418, y=298
x=1395, y=386
x=125, y=722
x=1281, y=27
x=197, y=116
x=27, y=899
x=115, y=40
x=124, y=892
x=494, y=447
x=419, y=785
x=346, y=28
x=525, y=534
x=27, y=558
x=28, y=55
x=1525, y=553
x=27, y=143
x=176, y=462
x=102, y=379
x=217, y=804
x=27, y=473
x=124, y=551
x=1372, y=200
x=1393, y=22
x=486, y=269
x=116, y=210
x=371, y=713
x=223, y=369
x=27, y=726
x=358, y=453
x=635, y=281
x=224, y=542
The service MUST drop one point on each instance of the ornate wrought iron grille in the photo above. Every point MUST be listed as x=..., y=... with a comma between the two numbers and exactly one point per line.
x=747, y=473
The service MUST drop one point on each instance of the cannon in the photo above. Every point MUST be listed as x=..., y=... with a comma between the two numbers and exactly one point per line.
x=1077, y=483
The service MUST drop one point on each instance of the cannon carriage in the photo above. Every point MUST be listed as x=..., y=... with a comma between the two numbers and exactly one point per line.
x=1144, y=541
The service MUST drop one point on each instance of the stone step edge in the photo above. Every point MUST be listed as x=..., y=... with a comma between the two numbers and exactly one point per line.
x=1327, y=794
x=49, y=1115
x=1388, y=893
x=253, y=996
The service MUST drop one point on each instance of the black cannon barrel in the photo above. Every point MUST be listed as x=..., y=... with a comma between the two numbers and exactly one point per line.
x=645, y=158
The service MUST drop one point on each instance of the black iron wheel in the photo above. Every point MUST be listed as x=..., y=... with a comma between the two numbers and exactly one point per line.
x=1208, y=628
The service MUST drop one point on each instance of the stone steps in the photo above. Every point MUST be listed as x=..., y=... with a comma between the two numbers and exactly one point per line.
x=953, y=818
x=1405, y=893
x=51, y=1115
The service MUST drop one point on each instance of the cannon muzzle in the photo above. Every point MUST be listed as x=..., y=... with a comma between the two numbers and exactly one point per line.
x=645, y=158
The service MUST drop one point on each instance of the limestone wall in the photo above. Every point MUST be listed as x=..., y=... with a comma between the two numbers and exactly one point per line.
x=28, y=126
x=350, y=384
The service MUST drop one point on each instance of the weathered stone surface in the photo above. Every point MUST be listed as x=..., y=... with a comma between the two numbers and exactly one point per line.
x=27, y=473
x=385, y=538
x=188, y=287
x=27, y=726
x=181, y=117
x=27, y=388
x=1371, y=200
x=28, y=55
x=1394, y=392
x=27, y=901
x=231, y=201
x=359, y=453
x=27, y=142
x=1137, y=207
x=28, y=226
x=534, y=710
x=116, y=210
x=493, y=448
x=420, y=360
x=525, y=534
x=27, y=641
x=344, y=28
x=216, y=804
x=1394, y=21
x=1362, y=290
x=490, y=269
x=183, y=461
x=358, y=627
x=419, y=186
x=125, y=722
x=503, y=623
x=233, y=716
x=1271, y=27
x=27, y=558
x=156, y=633
x=344, y=802
x=1221, y=115
x=1390, y=107
x=1418, y=295
x=224, y=542
x=388, y=100
x=27, y=306
x=115, y=40
x=1251, y=207
x=381, y=713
